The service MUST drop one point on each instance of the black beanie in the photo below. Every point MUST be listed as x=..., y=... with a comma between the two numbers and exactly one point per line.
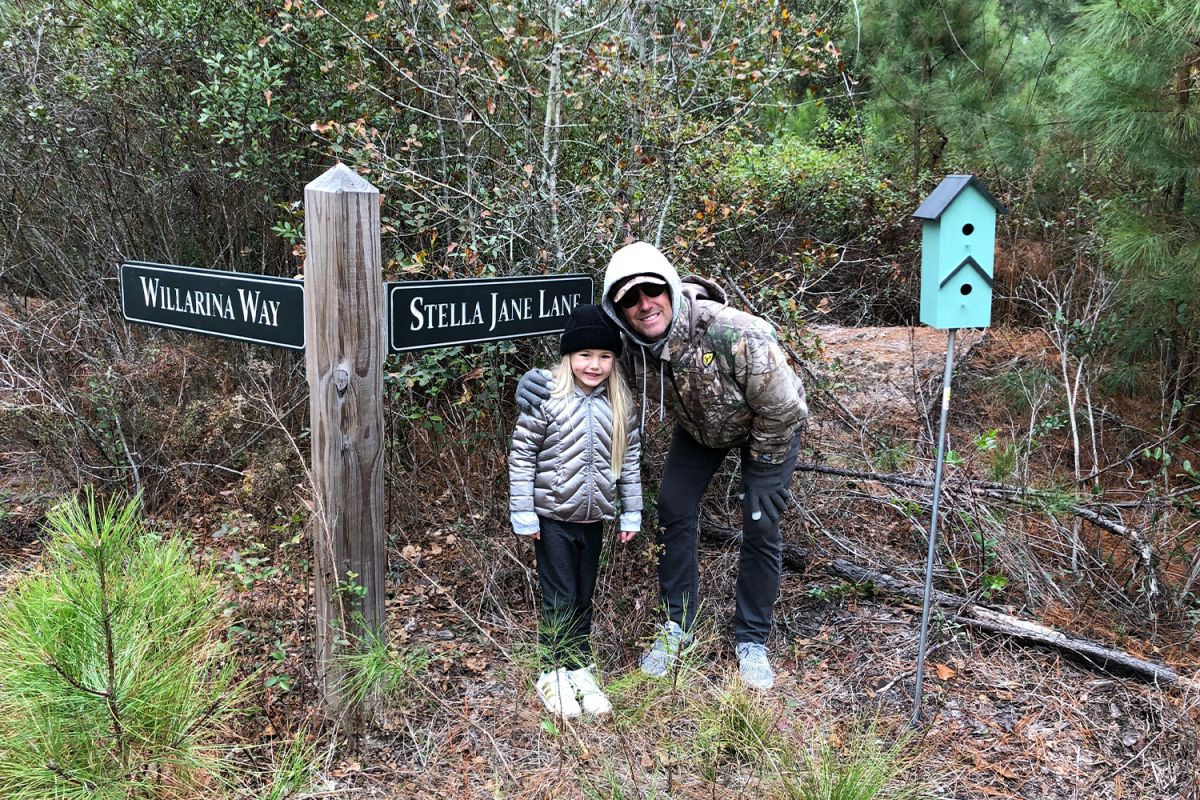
x=589, y=328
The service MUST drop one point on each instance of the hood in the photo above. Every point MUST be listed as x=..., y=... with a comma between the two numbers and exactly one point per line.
x=697, y=288
x=640, y=258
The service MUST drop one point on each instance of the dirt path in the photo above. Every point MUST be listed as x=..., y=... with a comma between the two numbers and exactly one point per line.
x=882, y=374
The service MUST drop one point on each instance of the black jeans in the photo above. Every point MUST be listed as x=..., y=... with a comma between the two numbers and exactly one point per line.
x=690, y=468
x=568, y=558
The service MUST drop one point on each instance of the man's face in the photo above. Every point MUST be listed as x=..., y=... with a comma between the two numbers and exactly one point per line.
x=649, y=316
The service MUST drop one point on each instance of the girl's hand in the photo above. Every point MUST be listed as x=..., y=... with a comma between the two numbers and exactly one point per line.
x=627, y=536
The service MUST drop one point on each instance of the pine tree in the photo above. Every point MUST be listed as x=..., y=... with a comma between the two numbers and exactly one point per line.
x=913, y=51
x=114, y=680
x=959, y=81
x=1134, y=69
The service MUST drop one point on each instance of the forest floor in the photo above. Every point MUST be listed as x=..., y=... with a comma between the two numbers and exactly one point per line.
x=1000, y=719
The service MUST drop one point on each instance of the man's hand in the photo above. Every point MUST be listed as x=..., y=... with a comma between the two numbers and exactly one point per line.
x=533, y=390
x=627, y=536
x=765, y=490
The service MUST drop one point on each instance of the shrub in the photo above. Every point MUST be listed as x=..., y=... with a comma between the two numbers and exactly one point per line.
x=113, y=681
x=790, y=221
x=739, y=728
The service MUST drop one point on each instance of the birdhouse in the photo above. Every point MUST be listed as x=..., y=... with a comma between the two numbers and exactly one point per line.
x=958, y=238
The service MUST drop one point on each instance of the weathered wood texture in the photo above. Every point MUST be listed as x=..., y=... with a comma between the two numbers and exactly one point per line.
x=344, y=328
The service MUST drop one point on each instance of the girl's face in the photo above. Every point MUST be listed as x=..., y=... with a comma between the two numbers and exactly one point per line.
x=591, y=367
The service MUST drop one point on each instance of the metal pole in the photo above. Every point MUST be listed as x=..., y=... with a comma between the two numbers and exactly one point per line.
x=937, y=495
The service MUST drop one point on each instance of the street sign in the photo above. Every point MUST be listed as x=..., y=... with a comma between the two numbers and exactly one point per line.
x=441, y=313
x=232, y=305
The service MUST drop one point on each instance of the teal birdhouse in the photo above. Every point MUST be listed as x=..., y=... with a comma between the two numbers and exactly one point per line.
x=958, y=239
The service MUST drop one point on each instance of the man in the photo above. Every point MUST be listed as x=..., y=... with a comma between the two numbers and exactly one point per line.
x=729, y=385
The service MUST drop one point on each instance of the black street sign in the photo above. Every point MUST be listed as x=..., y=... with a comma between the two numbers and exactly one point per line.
x=448, y=312
x=232, y=305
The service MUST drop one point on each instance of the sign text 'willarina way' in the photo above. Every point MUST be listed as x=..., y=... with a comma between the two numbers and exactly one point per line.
x=233, y=305
x=448, y=312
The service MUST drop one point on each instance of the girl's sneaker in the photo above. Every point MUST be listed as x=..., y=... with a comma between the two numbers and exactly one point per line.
x=591, y=697
x=558, y=693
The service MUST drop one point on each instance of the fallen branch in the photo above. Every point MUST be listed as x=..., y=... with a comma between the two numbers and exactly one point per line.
x=973, y=615
x=977, y=616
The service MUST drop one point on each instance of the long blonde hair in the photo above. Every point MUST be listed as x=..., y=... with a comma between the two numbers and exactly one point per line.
x=618, y=397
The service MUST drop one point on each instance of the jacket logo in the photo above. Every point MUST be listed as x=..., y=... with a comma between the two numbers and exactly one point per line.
x=708, y=358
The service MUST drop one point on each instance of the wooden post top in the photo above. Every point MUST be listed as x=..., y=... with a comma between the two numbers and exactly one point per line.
x=340, y=178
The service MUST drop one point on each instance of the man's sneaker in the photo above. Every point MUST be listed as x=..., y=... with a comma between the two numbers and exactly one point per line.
x=591, y=697
x=663, y=653
x=558, y=693
x=753, y=665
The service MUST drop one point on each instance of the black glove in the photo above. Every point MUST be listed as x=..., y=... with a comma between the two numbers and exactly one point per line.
x=533, y=390
x=766, y=491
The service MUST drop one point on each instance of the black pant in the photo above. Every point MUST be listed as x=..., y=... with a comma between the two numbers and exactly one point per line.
x=568, y=557
x=690, y=468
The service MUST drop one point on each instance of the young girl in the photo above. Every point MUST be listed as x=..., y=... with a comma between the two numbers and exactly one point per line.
x=570, y=460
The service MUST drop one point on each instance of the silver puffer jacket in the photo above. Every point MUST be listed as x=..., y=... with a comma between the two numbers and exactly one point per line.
x=560, y=464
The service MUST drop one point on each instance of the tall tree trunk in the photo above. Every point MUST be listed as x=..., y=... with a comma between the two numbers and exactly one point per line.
x=917, y=119
x=550, y=133
x=1183, y=80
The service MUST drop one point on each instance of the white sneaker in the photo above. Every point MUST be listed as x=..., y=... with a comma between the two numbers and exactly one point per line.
x=557, y=693
x=591, y=697
x=753, y=665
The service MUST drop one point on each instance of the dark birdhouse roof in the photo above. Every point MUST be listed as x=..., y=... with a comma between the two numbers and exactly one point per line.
x=950, y=187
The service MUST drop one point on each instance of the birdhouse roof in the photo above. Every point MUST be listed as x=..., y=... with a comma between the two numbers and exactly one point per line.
x=951, y=187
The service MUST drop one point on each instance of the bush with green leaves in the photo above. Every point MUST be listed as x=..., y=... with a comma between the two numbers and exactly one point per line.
x=114, y=679
x=791, y=220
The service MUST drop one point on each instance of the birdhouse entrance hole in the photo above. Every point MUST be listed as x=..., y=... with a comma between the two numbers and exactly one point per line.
x=966, y=289
x=968, y=229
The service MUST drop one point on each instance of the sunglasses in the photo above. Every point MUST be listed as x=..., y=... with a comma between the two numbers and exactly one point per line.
x=630, y=298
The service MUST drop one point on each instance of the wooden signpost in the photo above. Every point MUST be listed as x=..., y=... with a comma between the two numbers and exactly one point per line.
x=344, y=328
x=346, y=319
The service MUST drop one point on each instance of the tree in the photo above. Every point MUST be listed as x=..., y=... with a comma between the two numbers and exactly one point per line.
x=1134, y=69
x=960, y=81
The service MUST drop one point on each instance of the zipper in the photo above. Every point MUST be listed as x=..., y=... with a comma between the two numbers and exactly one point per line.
x=591, y=455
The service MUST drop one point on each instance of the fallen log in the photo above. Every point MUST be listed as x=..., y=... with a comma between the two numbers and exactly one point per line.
x=965, y=612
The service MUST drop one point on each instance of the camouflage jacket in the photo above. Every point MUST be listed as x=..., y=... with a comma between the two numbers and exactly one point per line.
x=725, y=375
